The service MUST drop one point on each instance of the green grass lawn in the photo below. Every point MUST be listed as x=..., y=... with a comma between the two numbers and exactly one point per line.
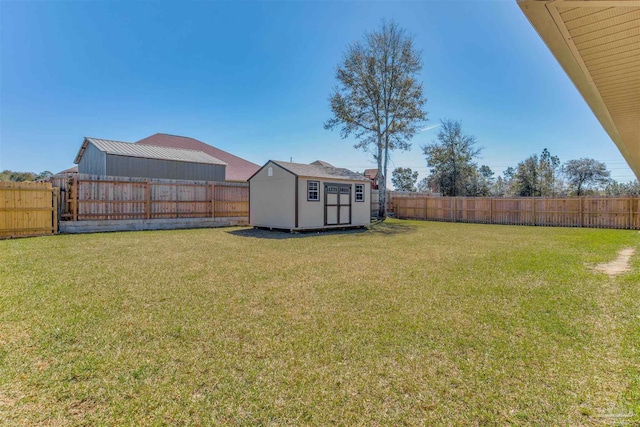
x=411, y=323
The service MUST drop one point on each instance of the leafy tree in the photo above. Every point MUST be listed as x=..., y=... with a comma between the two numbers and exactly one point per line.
x=486, y=173
x=480, y=182
x=526, y=177
x=451, y=159
x=537, y=175
x=423, y=185
x=583, y=174
x=404, y=179
x=44, y=175
x=379, y=99
x=614, y=188
x=548, y=167
x=13, y=176
x=499, y=187
x=504, y=185
x=509, y=173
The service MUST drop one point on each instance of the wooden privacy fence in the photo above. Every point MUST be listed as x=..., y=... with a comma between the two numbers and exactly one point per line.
x=28, y=209
x=375, y=202
x=88, y=197
x=596, y=212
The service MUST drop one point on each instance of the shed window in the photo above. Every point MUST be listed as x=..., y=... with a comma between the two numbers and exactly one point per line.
x=359, y=192
x=270, y=171
x=313, y=191
x=345, y=190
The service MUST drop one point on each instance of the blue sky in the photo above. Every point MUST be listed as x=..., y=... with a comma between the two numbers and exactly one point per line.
x=253, y=78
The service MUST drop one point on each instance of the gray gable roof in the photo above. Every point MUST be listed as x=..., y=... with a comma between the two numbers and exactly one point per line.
x=127, y=149
x=317, y=170
x=321, y=163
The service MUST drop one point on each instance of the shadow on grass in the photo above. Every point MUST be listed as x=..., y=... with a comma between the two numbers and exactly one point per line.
x=377, y=227
x=390, y=228
x=258, y=233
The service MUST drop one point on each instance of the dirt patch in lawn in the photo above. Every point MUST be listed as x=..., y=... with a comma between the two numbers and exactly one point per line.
x=619, y=265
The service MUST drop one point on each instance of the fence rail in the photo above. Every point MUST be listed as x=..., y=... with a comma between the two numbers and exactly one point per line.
x=594, y=212
x=28, y=209
x=88, y=197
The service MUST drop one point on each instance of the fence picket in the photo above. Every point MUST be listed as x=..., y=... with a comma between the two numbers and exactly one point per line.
x=596, y=212
x=27, y=209
x=113, y=198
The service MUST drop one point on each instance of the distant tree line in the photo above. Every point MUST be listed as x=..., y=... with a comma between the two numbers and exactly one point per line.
x=13, y=176
x=454, y=171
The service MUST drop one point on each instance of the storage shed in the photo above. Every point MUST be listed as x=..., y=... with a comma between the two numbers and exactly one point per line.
x=115, y=158
x=296, y=196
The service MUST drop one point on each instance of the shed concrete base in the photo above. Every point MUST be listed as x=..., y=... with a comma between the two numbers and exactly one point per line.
x=98, y=226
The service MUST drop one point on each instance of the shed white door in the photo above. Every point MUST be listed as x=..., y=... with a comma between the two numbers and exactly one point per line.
x=337, y=204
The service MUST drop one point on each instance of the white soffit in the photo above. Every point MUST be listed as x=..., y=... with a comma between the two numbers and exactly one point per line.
x=597, y=42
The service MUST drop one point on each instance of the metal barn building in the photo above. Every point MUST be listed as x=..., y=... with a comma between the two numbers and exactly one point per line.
x=114, y=158
x=295, y=196
x=238, y=169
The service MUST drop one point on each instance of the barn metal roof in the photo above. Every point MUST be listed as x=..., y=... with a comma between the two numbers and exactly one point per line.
x=598, y=45
x=128, y=149
x=317, y=170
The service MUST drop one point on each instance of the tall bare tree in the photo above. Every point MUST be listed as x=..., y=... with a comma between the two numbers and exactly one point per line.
x=379, y=99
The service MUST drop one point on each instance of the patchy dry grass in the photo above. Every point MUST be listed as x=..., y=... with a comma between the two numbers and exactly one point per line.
x=412, y=323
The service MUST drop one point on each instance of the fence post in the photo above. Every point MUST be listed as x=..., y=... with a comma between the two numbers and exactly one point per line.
x=147, y=198
x=213, y=200
x=630, y=213
x=581, y=213
x=75, y=197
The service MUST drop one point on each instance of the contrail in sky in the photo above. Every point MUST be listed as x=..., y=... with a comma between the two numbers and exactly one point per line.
x=426, y=128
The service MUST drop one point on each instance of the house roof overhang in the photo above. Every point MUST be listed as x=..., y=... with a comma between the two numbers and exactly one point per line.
x=597, y=42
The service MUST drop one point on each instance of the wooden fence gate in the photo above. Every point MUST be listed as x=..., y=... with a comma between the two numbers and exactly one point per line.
x=28, y=209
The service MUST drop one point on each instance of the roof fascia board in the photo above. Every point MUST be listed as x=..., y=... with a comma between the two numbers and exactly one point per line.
x=84, y=146
x=322, y=178
x=273, y=163
x=546, y=20
x=591, y=3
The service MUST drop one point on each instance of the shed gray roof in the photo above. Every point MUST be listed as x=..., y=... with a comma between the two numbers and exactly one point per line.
x=321, y=163
x=128, y=149
x=317, y=170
